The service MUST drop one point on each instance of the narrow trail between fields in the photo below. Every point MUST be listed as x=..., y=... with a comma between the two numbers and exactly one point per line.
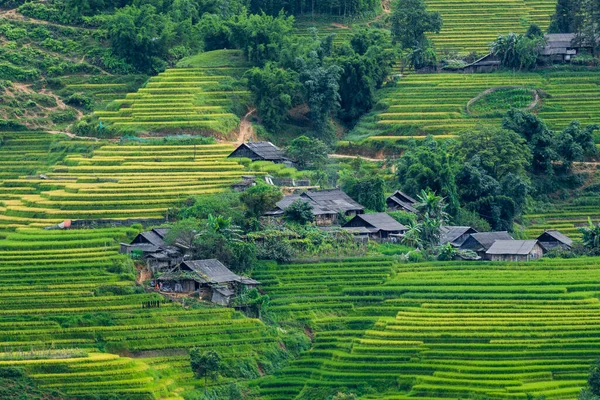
x=246, y=128
x=352, y=157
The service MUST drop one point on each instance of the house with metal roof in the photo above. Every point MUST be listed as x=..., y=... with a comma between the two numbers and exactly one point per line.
x=514, y=250
x=210, y=279
x=400, y=201
x=151, y=247
x=455, y=235
x=550, y=240
x=259, y=151
x=480, y=242
x=378, y=226
x=326, y=205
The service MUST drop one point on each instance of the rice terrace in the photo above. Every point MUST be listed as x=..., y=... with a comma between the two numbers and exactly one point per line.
x=301, y=200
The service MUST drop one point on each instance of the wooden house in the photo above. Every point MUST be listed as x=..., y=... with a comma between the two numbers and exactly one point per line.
x=514, y=250
x=326, y=205
x=554, y=239
x=210, y=279
x=400, y=201
x=378, y=226
x=488, y=63
x=153, y=250
x=336, y=200
x=480, y=242
x=259, y=151
x=455, y=235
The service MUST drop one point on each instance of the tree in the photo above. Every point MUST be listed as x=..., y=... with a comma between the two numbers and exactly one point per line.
x=273, y=90
x=205, y=364
x=365, y=188
x=321, y=88
x=518, y=51
x=594, y=379
x=411, y=20
x=307, y=152
x=261, y=36
x=500, y=151
x=432, y=216
x=300, y=212
x=429, y=166
x=563, y=18
x=141, y=36
x=591, y=240
x=539, y=138
x=260, y=199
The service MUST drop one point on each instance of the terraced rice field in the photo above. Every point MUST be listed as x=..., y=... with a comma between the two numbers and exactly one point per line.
x=179, y=99
x=436, y=104
x=115, y=182
x=472, y=25
x=440, y=330
x=53, y=279
x=566, y=217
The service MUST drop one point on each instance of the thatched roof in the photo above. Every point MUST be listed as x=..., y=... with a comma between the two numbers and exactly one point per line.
x=512, y=247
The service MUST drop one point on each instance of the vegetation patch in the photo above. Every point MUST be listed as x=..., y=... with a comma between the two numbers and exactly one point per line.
x=496, y=102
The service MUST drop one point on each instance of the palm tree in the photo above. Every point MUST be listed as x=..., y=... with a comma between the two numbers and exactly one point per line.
x=412, y=237
x=591, y=235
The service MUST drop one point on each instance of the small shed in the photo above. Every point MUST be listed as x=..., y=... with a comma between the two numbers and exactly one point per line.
x=480, y=242
x=259, y=151
x=154, y=251
x=488, y=63
x=379, y=225
x=514, y=250
x=400, y=201
x=455, y=235
x=554, y=239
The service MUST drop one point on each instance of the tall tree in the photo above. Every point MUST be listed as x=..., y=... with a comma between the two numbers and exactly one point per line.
x=411, y=20
x=273, y=90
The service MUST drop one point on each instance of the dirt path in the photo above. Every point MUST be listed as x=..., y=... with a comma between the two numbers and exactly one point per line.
x=246, y=128
x=385, y=6
x=16, y=16
x=352, y=157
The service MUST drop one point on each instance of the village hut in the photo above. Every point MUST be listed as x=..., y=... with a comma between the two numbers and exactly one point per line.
x=480, y=242
x=377, y=226
x=488, y=63
x=259, y=151
x=210, y=279
x=455, y=235
x=153, y=250
x=336, y=200
x=514, y=250
x=400, y=201
x=326, y=205
x=550, y=240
